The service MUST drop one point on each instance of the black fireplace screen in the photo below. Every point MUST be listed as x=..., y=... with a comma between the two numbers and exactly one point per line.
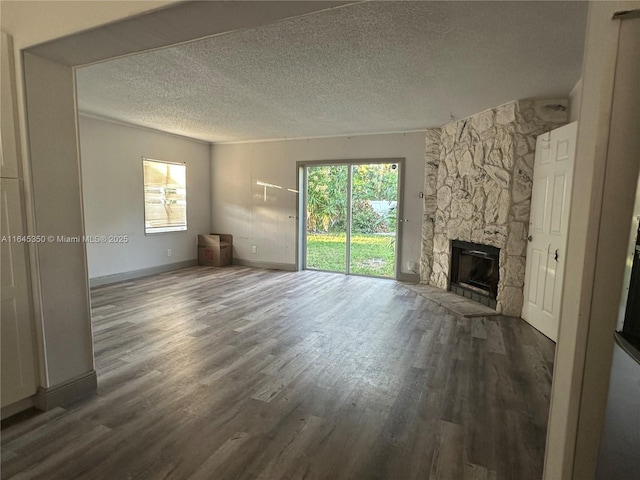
x=475, y=267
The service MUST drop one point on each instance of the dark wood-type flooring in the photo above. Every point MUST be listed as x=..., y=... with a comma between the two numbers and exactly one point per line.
x=239, y=373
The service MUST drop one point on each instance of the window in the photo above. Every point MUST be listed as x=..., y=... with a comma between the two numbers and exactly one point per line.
x=165, y=196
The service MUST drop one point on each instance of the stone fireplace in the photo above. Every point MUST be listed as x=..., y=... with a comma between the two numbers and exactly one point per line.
x=478, y=181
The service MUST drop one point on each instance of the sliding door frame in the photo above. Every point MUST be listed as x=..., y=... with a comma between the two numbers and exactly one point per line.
x=301, y=231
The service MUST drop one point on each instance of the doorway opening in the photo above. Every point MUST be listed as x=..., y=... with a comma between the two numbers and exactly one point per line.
x=350, y=217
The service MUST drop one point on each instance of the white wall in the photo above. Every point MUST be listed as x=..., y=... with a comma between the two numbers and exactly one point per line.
x=60, y=317
x=35, y=22
x=238, y=203
x=591, y=294
x=575, y=97
x=112, y=185
x=55, y=178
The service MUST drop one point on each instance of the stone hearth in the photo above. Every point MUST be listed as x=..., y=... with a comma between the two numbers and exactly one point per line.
x=478, y=180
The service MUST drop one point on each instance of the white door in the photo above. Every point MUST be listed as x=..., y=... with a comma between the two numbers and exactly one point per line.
x=18, y=369
x=546, y=251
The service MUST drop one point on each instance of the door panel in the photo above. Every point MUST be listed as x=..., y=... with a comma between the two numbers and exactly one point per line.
x=549, y=285
x=540, y=191
x=558, y=210
x=536, y=278
x=18, y=369
x=546, y=252
x=563, y=151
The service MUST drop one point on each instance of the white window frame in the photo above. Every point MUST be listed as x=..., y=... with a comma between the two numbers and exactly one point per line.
x=151, y=230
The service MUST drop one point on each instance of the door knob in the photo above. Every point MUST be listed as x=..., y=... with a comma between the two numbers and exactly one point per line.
x=555, y=257
x=530, y=238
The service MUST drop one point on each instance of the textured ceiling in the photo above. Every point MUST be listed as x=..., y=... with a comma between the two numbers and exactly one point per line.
x=364, y=68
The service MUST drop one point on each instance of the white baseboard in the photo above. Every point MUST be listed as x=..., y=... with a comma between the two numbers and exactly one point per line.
x=289, y=267
x=145, y=272
x=17, y=407
x=69, y=392
x=409, y=277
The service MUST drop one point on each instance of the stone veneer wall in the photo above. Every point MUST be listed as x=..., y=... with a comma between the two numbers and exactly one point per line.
x=478, y=181
x=432, y=161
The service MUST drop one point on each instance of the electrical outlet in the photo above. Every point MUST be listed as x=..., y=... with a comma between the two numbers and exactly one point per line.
x=168, y=252
x=254, y=249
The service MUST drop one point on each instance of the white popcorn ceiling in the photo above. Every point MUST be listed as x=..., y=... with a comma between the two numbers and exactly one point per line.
x=366, y=68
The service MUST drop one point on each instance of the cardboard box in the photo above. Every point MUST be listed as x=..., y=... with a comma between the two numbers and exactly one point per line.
x=215, y=250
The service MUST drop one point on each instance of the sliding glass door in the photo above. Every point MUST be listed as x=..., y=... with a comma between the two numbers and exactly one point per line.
x=327, y=198
x=374, y=194
x=351, y=218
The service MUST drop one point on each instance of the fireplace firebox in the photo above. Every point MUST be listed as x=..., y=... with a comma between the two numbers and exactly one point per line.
x=475, y=271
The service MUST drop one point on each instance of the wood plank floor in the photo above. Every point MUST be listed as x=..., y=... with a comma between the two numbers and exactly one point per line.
x=239, y=373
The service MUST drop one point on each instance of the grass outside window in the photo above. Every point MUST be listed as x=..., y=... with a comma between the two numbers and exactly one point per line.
x=370, y=254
